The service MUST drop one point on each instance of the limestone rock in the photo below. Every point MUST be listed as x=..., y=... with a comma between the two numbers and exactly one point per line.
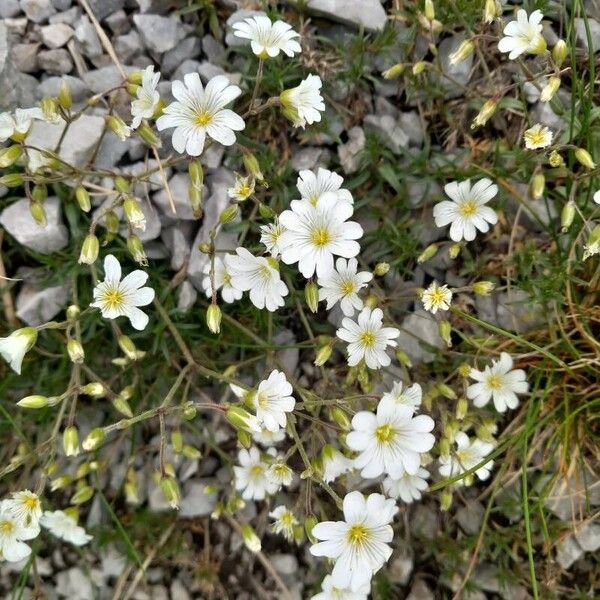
x=57, y=62
x=56, y=35
x=195, y=502
x=369, y=14
x=37, y=11
x=36, y=306
x=159, y=34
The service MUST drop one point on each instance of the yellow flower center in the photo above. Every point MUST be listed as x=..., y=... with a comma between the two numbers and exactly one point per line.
x=256, y=470
x=244, y=191
x=468, y=208
x=203, y=118
x=113, y=298
x=287, y=519
x=437, y=296
x=494, y=382
x=358, y=535
x=536, y=137
x=367, y=338
x=31, y=502
x=347, y=287
x=385, y=434
x=320, y=237
x=7, y=527
x=226, y=278
x=262, y=399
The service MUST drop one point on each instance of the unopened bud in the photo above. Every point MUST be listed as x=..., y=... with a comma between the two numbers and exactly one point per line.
x=462, y=406
x=537, y=185
x=446, y=391
x=82, y=495
x=340, y=417
x=251, y=540
x=136, y=249
x=134, y=214
x=135, y=77
x=559, y=53
x=555, y=159
x=428, y=253
x=483, y=288
x=38, y=213
x=252, y=167
x=323, y=355
x=464, y=50
x=49, y=107
x=567, y=216
x=33, y=402
x=60, y=482
x=64, y=95
x=550, y=89
x=381, y=269
x=454, y=251
x=491, y=10
x=39, y=192
x=403, y=358
x=394, y=71
x=147, y=134
x=311, y=293
x=10, y=155
x=94, y=439
x=73, y=312
x=244, y=439
x=213, y=318
x=122, y=406
x=585, y=158
x=128, y=347
x=170, y=489
x=189, y=411
x=228, y=214
x=191, y=453
x=122, y=185
x=118, y=127
x=75, y=351
x=419, y=67
x=177, y=441
x=429, y=10
x=12, y=180
x=266, y=212
x=89, y=250
x=83, y=198
x=94, y=389
x=71, y=441
x=445, y=500
x=240, y=418
x=485, y=113
x=445, y=331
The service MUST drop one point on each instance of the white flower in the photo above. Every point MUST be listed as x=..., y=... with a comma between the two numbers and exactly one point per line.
x=117, y=298
x=467, y=211
x=285, y=521
x=436, y=297
x=272, y=400
x=19, y=123
x=243, y=188
x=410, y=396
x=468, y=454
x=368, y=339
x=343, y=285
x=537, y=136
x=199, y=112
x=408, y=487
x=304, y=104
x=359, y=544
x=280, y=473
x=270, y=236
x=314, y=234
x=332, y=592
x=390, y=441
x=26, y=507
x=267, y=39
x=222, y=277
x=259, y=276
x=13, y=534
x=500, y=382
x=14, y=347
x=334, y=463
x=312, y=187
x=37, y=160
x=65, y=527
x=268, y=438
x=523, y=35
x=147, y=98
x=597, y=197
x=251, y=476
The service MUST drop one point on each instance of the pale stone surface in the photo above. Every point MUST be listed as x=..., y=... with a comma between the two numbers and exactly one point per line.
x=36, y=306
x=367, y=13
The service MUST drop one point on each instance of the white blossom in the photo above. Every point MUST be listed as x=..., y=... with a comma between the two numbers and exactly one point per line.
x=523, y=35
x=272, y=400
x=222, y=277
x=314, y=234
x=285, y=521
x=466, y=211
x=538, y=136
x=65, y=527
x=390, y=441
x=147, y=97
x=198, y=112
x=13, y=535
x=243, y=188
x=359, y=544
x=329, y=591
x=343, y=284
x=313, y=185
x=500, y=382
x=26, y=507
x=408, y=487
x=267, y=39
x=469, y=453
x=368, y=339
x=267, y=438
x=304, y=103
x=270, y=236
x=115, y=297
x=436, y=297
x=334, y=463
x=18, y=123
x=410, y=396
x=280, y=473
x=251, y=476
x=14, y=347
x=260, y=276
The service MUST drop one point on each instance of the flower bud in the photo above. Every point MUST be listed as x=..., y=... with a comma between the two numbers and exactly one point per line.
x=537, y=45
x=444, y=447
x=462, y=406
x=244, y=439
x=60, y=482
x=403, y=358
x=241, y=419
x=196, y=197
x=311, y=293
x=71, y=441
x=191, y=452
x=419, y=67
x=75, y=351
x=464, y=50
x=118, y=127
x=491, y=10
x=559, y=53
x=10, y=155
x=136, y=249
x=567, y=216
x=485, y=113
x=428, y=253
x=122, y=185
x=127, y=347
x=445, y=331
x=445, y=500
x=483, y=288
x=323, y=355
x=189, y=411
x=340, y=417
x=592, y=245
x=39, y=192
x=204, y=248
x=111, y=222
x=135, y=77
x=464, y=370
x=122, y=406
x=252, y=166
x=64, y=95
x=394, y=71
x=73, y=312
x=170, y=489
x=213, y=318
x=83, y=198
x=38, y=213
x=454, y=251
x=177, y=441
x=550, y=89
x=49, y=107
x=555, y=159
x=429, y=10
x=94, y=390
x=33, y=402
x=12, y=180
x=228, y=214
x=94, y=439
x=446, y=391
x=147, y=134
x=381, y=269
x=585, y=158
x=89, y=250
x=309, y=525
x=251, y=540
x=82, y=495
x=537, y=185
x=134, y=214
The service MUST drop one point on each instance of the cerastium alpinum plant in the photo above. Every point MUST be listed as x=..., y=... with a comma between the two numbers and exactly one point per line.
x=331, y=456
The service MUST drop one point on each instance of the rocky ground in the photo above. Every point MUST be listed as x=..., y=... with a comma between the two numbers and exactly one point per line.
x=45, y=42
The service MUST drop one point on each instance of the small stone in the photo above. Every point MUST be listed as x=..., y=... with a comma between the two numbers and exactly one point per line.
x=588, y=536
x=9, y=9
x=128, y=46
x=186, y=297
x=153, y=6
x=208, y=71
x=350, y=152
x=568, y=551
x=284, y=564
x=74, y=585
x=195, y=502
x=106, y=78
x=56, y=35
x=470, y=516
x=68, y=17
x=420, y=591
x=37, y=11
x=457, y=75
x=187, y=66
x=57, y=62
x=581, y=33
x=36, y=306
x=112, y=562
x=51, y=87
x=25, y=57
x=517, y=311
x=178, y=591
x=103, y=8
x=388, y=130
x=400, y=568
x=179, y=186
x=89, y=42
x=61, y=4
x=288, y=357
x=308, y=158
x=412, y=125
x=186, y=49
x=369, y=14
x=118, y=22
x=15, y=27
x=17, y=220
x=178, y=244
x=424, y=521
x=416, y=328
x=569, y=496
x=159, y=34
x=213, y=50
